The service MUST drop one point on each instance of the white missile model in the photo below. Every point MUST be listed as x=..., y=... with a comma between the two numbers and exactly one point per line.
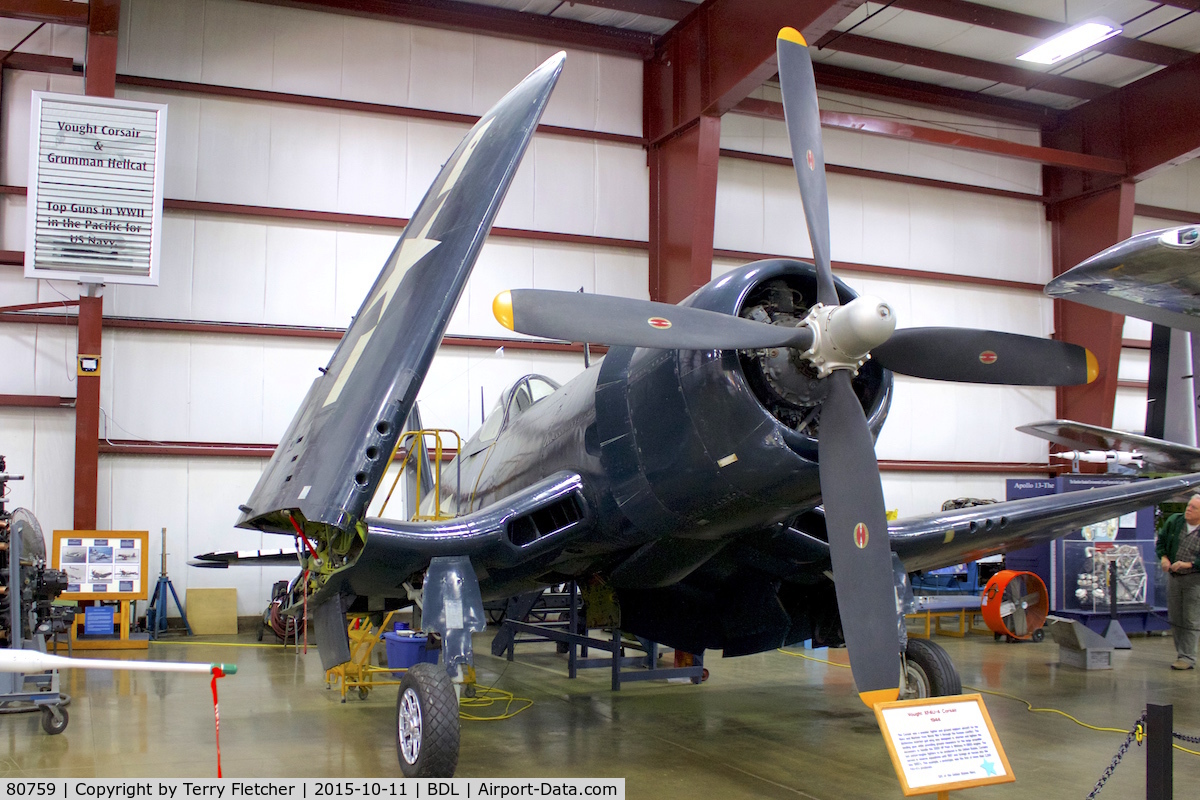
x=12, y=660
x=1120, y=457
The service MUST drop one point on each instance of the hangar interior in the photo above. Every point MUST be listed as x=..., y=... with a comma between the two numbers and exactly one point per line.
x=301, y=137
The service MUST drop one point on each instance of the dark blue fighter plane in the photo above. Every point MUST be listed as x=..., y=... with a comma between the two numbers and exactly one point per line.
x=715, y=473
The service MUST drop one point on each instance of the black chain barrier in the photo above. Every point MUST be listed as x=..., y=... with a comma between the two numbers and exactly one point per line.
x=1139, y=733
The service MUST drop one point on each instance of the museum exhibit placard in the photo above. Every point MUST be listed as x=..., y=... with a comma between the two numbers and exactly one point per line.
x=940, y=744
x=102, y=565
x=95, y=193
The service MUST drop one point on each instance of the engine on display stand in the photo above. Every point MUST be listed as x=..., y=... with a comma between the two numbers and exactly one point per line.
x=28, y=616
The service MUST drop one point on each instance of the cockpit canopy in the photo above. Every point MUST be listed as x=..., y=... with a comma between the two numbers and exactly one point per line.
x=513, y=401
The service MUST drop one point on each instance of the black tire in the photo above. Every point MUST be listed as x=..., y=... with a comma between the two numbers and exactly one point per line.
x=50, y=724
x=427, y=731
x=1038, y=635
x=930, y=672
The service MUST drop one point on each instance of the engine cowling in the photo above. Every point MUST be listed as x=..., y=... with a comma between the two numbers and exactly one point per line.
x=780, y=292
x=709, y=443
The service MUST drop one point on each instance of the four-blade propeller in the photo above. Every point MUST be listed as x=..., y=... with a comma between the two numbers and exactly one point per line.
x=835, y=339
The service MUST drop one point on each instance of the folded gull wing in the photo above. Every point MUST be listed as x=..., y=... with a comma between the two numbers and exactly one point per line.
x=333, y=455
x=533, y=523
x=952, y=537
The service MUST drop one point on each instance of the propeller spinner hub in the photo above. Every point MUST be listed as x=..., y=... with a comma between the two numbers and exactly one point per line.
x=844, y=335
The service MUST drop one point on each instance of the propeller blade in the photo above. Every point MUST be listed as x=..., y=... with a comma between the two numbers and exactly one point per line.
x=599, y=318
x=968, y=355
x=858, y=542
x=799, y=87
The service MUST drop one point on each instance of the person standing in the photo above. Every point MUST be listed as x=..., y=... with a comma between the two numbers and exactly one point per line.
x=1178, y=549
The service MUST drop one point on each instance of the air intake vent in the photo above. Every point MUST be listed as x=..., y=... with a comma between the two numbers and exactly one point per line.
x=528, y=528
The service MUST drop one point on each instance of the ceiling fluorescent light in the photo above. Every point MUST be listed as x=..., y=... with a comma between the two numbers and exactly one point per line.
x=1071, y=41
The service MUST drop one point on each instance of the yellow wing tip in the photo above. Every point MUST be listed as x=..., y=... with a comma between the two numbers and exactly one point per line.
x=874, y=698
x=503, y=310
x=1093, y=366
x=792, y=35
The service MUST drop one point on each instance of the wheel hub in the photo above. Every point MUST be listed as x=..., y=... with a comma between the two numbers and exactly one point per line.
x=409, y=724
x=915, y=683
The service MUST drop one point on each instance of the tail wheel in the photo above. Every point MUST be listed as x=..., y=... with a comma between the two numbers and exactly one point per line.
x=928, y=671
x=427, y=733
x=1015, y=604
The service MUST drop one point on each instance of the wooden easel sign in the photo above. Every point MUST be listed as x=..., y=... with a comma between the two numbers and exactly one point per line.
x=940, y=744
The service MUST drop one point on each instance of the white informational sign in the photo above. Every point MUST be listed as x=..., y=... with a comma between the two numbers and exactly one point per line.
x=95, y=189
x=942, y=743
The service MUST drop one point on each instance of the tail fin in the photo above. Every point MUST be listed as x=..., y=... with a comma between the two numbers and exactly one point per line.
x=328, y=466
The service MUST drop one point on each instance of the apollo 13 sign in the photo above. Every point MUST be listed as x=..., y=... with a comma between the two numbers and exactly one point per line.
x=95, y=189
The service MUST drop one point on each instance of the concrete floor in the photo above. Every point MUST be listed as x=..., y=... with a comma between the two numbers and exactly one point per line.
x=767, y=725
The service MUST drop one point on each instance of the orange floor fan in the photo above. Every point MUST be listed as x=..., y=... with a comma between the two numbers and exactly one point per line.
x=1015, y=605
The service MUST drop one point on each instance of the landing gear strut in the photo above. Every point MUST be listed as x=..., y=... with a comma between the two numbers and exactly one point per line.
x=427, y=726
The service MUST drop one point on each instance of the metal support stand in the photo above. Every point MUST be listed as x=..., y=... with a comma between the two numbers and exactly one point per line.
x=577, y=641
x=156, y=613
x=1114, y=634
x=1160, y=777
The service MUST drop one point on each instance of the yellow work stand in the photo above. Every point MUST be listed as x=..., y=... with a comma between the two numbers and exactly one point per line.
x=358, y=673
x=931, y=622
x=120, y=640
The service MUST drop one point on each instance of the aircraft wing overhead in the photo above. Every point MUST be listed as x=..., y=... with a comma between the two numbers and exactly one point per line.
x=1164, y=456
x=952, y=537
x=280, y=557
x=1153, y=276
x=331, y=460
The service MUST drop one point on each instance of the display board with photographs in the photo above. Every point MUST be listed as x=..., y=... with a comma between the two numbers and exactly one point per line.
x=102, y=565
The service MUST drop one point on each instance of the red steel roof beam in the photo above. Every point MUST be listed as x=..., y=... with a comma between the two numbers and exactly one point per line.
x=927, y=95
x=1150, y=124
x=662, y=9
x=999, y=19
x=476, y=18
x=1080, y=228
x=962, y=65
x=56, y=12
x=721, y=53
x=33, y=62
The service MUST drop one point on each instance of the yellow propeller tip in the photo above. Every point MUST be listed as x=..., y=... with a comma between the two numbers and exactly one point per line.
x=792, y=35
x=874, y=698
x=1093, y=366
x=502, y=309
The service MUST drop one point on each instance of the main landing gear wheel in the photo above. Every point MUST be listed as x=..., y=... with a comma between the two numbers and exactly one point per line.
x=928, y=671
x=54, y=723
x=427, y=732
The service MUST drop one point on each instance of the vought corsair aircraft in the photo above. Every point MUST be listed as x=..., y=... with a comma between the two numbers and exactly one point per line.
x=715, y=472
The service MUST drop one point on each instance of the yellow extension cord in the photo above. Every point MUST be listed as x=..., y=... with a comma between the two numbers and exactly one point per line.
x=488, y=697
x=1028, y=704
x=485, y=697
